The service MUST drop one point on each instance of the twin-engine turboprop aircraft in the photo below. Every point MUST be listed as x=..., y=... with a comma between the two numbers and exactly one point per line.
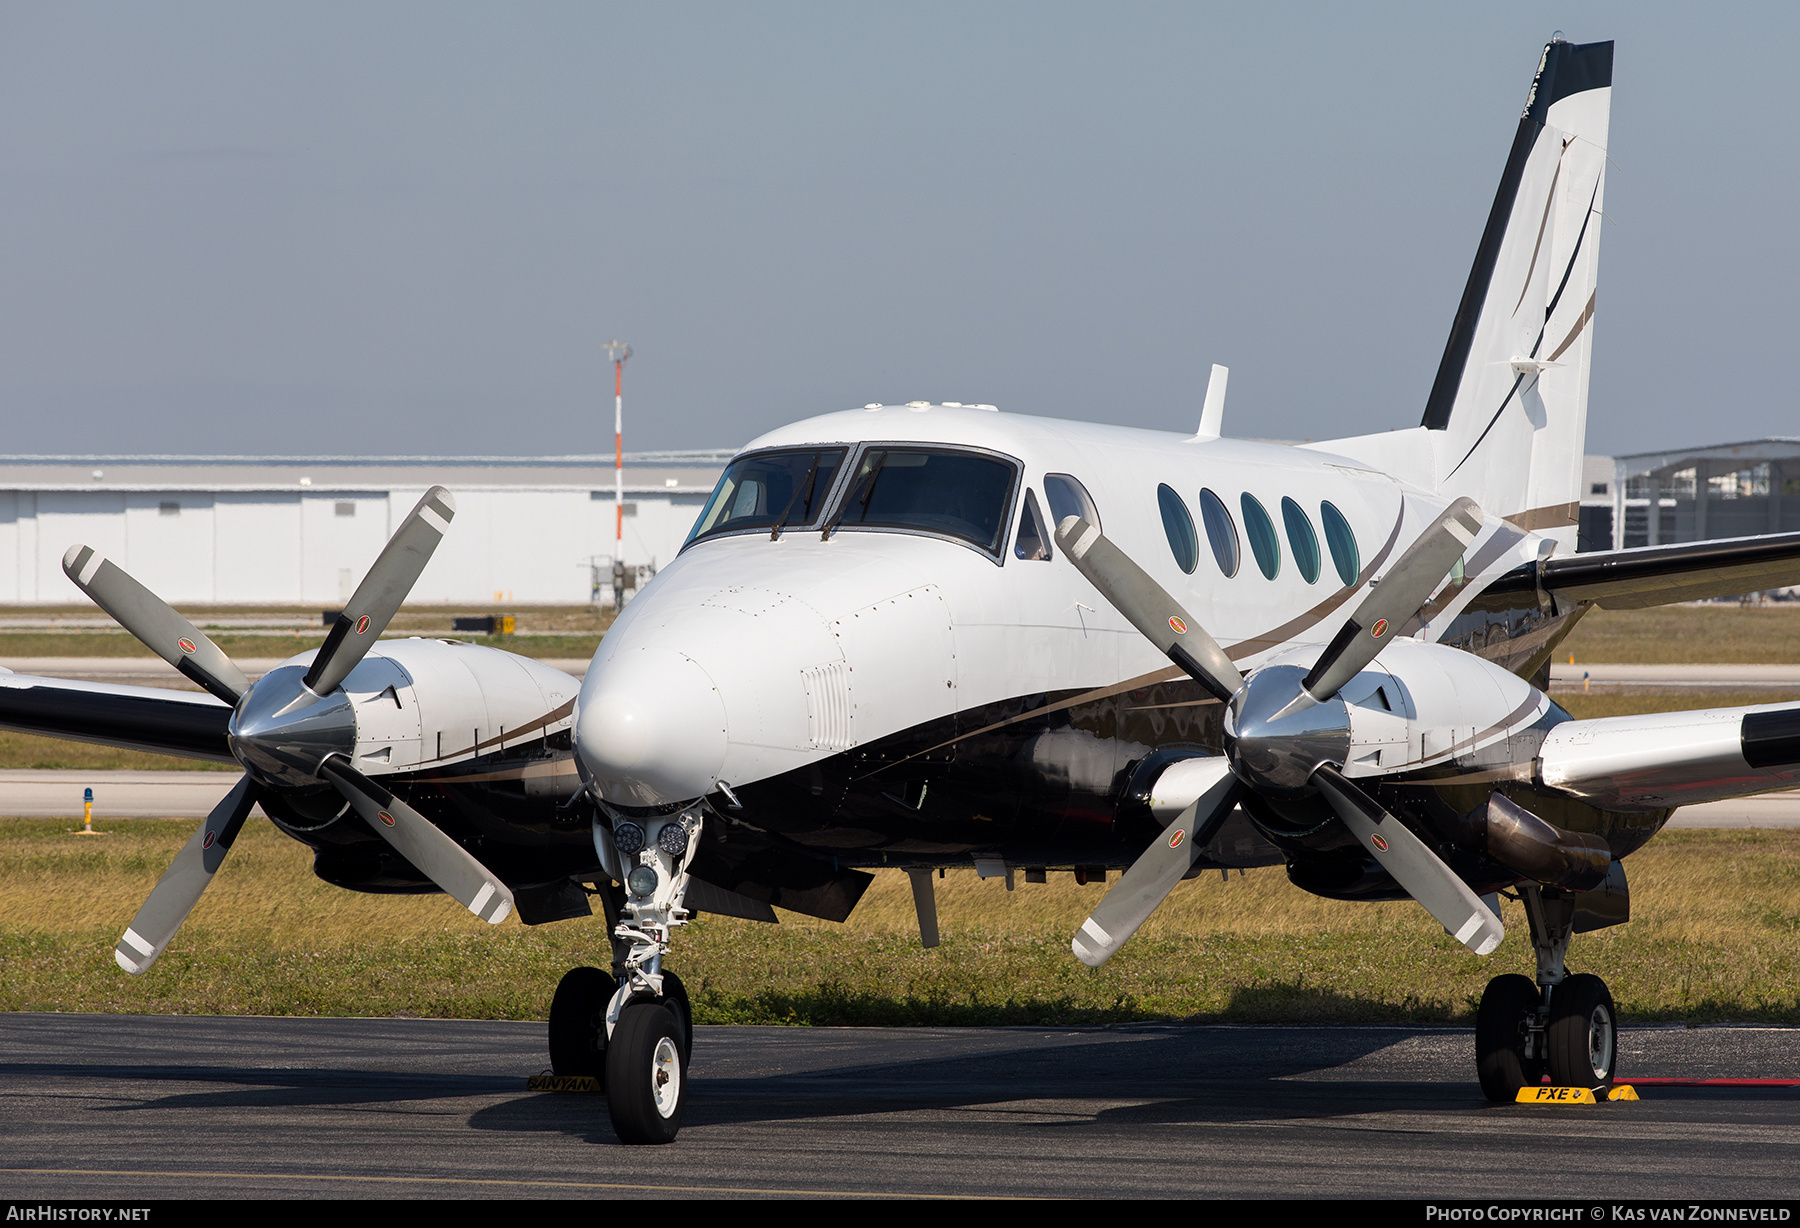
x=931, y=635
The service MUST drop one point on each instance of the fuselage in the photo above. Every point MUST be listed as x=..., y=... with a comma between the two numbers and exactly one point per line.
x=899, y=694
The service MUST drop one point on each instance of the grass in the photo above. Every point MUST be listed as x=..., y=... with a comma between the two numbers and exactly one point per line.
x=25, y=750
x=1700, y=634
x=1717, y=937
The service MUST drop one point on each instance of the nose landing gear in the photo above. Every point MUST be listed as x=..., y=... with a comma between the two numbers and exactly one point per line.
x=1565, y=1026
x=635, y=1028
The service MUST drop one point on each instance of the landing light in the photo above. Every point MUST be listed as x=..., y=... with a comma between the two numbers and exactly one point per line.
x=628, y=838
x=642, y=880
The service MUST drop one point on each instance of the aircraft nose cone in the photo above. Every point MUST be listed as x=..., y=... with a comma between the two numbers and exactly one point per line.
x=1279, y=756
x=651, y=729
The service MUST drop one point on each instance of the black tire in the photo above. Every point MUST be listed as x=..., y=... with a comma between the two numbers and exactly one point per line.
x=1500, y=1060
x=1583, y=1047
x=675, y=995
x=578, y=1022
x=646, y=1075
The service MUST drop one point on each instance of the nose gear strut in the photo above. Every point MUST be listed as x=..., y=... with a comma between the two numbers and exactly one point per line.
x=648, y=1023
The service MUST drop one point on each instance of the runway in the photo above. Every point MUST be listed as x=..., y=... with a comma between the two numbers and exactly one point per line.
x=122, y=1107
x=1603, y=677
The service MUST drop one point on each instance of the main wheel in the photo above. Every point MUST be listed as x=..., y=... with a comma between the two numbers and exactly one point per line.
x=1500, y=1059
x=578, y=1022
x=646, y=1075
x=1583, y=1037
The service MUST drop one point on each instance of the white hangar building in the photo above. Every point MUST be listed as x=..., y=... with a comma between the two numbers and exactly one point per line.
x=267, y=530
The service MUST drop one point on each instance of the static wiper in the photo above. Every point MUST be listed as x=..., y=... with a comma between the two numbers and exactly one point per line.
x=865, y=483
x=812, y=476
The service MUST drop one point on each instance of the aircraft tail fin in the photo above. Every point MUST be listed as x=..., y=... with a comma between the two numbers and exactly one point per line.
x=1507, y=414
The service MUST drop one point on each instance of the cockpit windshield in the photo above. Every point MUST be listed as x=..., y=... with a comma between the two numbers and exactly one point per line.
x=965, y=495
x=771, y=490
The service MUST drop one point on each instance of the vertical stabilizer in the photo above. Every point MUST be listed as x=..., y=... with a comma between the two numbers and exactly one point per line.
x=1507, y=416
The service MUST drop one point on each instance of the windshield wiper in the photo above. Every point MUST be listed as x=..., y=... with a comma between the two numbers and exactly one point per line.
x=812, y=476
x=849, y=495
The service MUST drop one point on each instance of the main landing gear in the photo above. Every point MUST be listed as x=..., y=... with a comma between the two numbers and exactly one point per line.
x=634, y=1029
x=1564, y=1026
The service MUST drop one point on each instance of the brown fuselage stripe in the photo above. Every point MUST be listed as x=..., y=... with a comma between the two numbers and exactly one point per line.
x=544, y=721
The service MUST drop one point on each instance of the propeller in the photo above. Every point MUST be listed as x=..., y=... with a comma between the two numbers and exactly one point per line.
x=1408, y=585
x=1413, y=865
x=1273, y=745
x=1156, y=871
x=432, y=853
x=154, y=623
x=289, y=730
x=1149, y=608
x=378, y=597
x=178, y=890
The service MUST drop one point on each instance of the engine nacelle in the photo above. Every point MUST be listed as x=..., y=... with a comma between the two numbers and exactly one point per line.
x=1422, y=707
x=409, y=706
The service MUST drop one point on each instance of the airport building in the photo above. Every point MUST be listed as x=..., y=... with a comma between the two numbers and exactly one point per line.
x=265, y=530
x=1691, y=494
x=268, y=530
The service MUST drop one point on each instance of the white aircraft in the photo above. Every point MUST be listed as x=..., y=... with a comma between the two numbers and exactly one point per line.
x=932, y=635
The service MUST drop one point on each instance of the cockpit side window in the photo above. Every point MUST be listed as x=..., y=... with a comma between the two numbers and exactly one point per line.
x=1033, y=542
x=770, y=490
x=948, y=491
x=1068, y=497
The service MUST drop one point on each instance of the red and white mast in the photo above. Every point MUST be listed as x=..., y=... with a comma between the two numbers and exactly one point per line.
x=618, y=351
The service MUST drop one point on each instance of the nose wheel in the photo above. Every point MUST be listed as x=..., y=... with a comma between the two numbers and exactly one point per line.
x=646, y=1074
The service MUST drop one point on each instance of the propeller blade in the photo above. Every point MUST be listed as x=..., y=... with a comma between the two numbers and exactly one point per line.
x=421, y=842
x=379, y=595
x=1408, y=584
x=1414, y=866
x=151, y=620
x=1148, y=607
x=178, y=890
x=1156, y=871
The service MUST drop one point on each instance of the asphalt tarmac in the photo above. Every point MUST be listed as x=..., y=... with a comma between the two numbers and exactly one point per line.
x=116, y=1108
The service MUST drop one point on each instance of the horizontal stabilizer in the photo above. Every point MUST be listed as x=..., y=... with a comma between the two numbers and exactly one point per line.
x=1662, y=575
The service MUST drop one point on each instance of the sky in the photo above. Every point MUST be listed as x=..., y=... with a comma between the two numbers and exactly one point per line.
x=340, y=228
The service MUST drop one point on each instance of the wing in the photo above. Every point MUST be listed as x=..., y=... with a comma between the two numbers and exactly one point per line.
x=1668, y=759
x=185, y=723
x=1661, y=575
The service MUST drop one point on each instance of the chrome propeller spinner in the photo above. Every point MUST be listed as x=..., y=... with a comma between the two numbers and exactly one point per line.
x=1286, y=732
x=293, y=728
